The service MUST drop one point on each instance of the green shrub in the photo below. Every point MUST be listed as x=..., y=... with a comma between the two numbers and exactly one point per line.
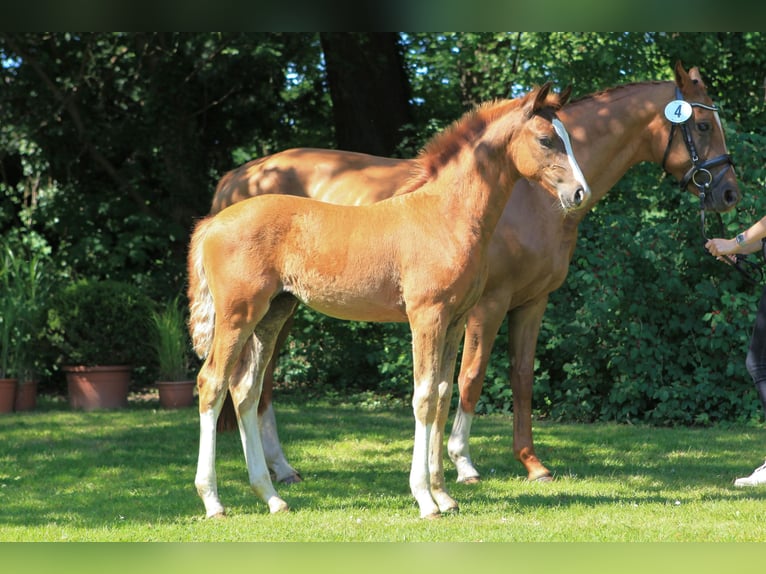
x=102, y=322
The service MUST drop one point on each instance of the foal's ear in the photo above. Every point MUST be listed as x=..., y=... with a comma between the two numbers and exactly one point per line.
x=565, y=95
x=540, y=98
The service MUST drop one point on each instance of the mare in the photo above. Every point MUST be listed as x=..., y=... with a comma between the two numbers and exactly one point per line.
x=419, y=258
x=533, y=242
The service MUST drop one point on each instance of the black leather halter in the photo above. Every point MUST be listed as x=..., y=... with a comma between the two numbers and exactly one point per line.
x=699, y=174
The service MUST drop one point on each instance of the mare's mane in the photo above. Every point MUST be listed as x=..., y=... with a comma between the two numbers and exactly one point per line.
x=609, y=90
x=464, y=131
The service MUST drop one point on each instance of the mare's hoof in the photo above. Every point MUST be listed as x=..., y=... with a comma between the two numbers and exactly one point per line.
x=217, y=516
x=433, y=516
x=469, y=480
x=292, y=479
x=547, y=477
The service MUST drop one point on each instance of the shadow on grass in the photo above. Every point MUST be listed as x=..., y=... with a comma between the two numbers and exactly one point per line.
x=102, y=468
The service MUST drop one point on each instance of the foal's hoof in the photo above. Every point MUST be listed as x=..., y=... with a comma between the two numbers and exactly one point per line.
x=217, y=516
x=277, y=505
x=433, y=516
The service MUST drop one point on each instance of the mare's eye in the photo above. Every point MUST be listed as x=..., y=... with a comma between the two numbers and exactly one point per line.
x=546, y=142
x=703, y=126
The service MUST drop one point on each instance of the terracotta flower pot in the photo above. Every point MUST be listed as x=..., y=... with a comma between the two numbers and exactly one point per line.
x=7, y=395
x=26, y=395
x=176, y=394
x=102, y=387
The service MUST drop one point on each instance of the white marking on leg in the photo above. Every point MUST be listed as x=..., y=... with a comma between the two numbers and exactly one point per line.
x=419, y=475
x=260, y=481
x=458, y=446
x=436, y=455
x=272, y=449
x=205, y=480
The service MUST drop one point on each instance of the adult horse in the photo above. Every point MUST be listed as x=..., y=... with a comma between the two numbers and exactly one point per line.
x=533, y=242
x=419, y=258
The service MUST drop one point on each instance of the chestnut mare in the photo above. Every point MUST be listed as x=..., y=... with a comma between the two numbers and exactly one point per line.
x=533, y=242
x=420, y=258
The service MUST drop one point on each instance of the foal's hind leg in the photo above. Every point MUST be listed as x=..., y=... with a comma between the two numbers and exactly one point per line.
x=246, y=395
x=205, y=479
x=212, y=382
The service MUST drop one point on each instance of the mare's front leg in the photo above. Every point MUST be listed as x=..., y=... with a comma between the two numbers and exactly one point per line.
x=428, y=343
x=483, y=323
x=523, y=330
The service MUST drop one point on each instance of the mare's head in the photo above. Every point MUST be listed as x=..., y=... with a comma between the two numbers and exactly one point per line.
x=542, y=151
x=696, y=153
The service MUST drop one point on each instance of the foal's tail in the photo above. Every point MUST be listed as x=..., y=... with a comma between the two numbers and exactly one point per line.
x=202, y=318
x=201, y=308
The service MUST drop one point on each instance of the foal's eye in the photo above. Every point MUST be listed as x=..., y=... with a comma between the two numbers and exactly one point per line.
x=703, y=126
x=546, y=142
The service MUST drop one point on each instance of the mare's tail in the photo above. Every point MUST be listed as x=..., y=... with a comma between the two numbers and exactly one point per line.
x=202, y=316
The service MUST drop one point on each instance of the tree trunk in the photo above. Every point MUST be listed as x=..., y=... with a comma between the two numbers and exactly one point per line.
x=369, y=88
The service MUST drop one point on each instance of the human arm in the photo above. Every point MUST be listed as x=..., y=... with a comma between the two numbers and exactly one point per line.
x=750, y=241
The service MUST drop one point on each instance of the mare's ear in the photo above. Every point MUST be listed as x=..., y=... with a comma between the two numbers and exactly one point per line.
x=696, y=77
x=682, y=78
x=565, y=95
x=540, y=97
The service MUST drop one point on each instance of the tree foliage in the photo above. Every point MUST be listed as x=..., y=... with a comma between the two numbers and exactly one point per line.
x=111, y=144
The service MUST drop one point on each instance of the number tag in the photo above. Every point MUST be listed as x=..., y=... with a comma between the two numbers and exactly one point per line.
x=678, y=111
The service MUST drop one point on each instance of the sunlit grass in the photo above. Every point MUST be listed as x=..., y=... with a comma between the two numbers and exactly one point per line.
x=128, y=476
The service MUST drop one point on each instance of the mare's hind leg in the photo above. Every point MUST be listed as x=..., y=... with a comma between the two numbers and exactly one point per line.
x=276, y=460
x=246, y=395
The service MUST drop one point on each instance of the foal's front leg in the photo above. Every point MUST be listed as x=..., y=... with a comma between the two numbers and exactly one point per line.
x=428, y=343
x=444, y=391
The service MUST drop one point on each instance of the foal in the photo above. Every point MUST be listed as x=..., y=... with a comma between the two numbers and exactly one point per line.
x=420, y=257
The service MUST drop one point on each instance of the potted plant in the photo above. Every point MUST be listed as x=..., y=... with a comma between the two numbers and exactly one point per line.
x=171, y=345
x=9, y=314
x=100, y=329
x=23, y=286
x=33, y=283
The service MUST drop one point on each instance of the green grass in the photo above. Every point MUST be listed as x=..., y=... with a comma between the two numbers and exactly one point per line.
x=128, y=476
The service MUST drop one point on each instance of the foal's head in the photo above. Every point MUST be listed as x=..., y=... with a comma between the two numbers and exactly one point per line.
x=542, y=151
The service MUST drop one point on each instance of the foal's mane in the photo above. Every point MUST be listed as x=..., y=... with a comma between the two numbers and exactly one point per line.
x=445, y=145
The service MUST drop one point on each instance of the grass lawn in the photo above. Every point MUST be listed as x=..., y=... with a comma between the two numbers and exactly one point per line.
x=128, y=475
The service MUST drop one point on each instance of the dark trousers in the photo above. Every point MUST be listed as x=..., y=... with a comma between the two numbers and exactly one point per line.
x=756, y=354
